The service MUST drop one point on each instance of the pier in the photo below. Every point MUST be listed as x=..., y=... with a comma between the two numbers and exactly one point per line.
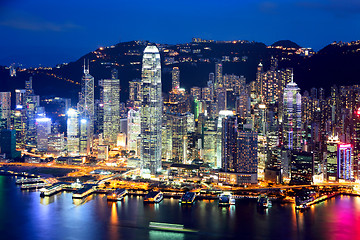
x=86, y=190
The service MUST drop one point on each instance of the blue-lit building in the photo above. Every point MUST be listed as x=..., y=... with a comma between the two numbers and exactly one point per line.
x=345, y=161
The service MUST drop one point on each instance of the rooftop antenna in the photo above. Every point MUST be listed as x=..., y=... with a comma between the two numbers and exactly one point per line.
x=86, y=70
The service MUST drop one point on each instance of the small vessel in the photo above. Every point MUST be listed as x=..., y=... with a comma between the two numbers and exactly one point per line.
x=117, y=195
x=33, y=186
x=226, y=199
x=29, y=180
x=263, y=201
x=188, y=198
x=154, y=197
x=169, y=227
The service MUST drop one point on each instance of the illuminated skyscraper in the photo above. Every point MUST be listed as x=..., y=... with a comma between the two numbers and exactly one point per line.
x=175, y=76
x=210, y=140
x=301, y=168
x=86, y=100
x=239, y=149
x=111, y=101
x=56, y=144
x=219, y=80
x=221, y=99
x=331, y=159
x=195, y=92
x=345, y=161
x=151, y=110
x=32, y=102
x=43, y=129
x=5, y=110
x=84, y=148
x=259, y=79
x=19, y=119
x=134, y=129
x=73, y=142
x=179, y=137
x=355, y=140
x=135, y=93
x=292, y=116
x=20, y=99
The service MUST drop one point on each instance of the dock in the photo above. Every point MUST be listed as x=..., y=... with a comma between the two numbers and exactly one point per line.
x=86, y=190
x=55, y=188
x=317, y=200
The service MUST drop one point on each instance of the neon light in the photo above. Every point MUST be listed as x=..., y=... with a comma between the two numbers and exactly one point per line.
x=344, y=145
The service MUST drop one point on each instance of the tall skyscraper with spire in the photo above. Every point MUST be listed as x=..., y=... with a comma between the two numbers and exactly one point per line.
x=292, y=116
x=86, y=101
x=151, y=111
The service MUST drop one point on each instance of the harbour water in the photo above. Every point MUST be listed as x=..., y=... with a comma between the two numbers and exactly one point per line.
x=24, y=215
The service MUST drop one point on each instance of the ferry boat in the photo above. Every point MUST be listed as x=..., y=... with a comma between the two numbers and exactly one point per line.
x=188, y=198
x=169, y=227
x=154, y=197
x=226, y=199
x=54, y=188
x=263, y=201
x=33, y=186
x=117, y=195
x=29, y=180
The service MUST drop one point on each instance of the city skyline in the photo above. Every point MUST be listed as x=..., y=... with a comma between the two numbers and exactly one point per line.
x=36, y=34
x=204, y=129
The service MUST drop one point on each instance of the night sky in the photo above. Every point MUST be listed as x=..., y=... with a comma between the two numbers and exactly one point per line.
x=47, y=32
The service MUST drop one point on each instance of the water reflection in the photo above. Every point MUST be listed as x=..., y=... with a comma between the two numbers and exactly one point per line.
x=47, y=200
x=159, y=235
x=114, y=220
x=60, y=217
x=81, y=201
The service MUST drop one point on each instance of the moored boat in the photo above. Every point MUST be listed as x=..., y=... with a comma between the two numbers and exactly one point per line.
x=263, y=201
x=188, y=198
x=226, y=199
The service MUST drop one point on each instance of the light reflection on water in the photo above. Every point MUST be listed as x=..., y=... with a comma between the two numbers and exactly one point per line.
x=61, y=217
x=161, y=235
